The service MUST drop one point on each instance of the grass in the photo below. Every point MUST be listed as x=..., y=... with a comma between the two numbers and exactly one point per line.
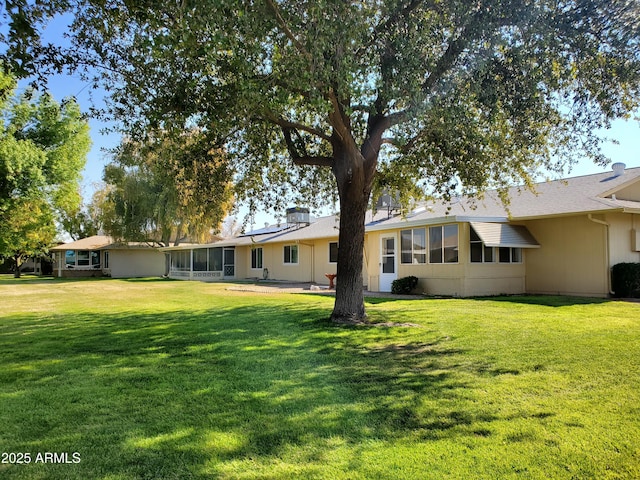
x=176, y=380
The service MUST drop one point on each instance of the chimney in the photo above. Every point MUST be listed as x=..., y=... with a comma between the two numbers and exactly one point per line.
x=618, y=169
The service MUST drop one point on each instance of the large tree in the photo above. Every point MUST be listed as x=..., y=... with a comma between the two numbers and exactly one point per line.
x=165, y=189
x=361, y=96
x=43, y=148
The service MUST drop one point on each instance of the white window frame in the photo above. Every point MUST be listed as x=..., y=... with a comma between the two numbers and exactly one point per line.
x=287, y=260
x=443, y=246
x=511, y=255
x=495, y=252
x=258, y=265
x=414, y=253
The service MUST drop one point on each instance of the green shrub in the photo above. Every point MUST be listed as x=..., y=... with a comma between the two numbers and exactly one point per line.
x=404, y=285
x=625, y=280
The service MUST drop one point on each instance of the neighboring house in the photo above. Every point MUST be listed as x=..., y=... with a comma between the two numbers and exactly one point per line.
x=99, y=256
x=561, y=239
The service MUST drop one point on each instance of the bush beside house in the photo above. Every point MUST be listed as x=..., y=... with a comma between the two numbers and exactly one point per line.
x=404, y=286
x=625, y=280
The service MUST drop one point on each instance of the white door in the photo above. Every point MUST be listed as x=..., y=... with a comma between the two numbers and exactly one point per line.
x=388, y=263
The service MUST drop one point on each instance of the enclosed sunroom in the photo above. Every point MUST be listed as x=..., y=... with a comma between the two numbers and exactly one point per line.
x=202, y=262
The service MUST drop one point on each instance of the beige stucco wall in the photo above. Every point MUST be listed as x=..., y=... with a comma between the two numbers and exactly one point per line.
x=313, y=262
x=572, y=259
x=623, y=227
x=464, y=279
x=136, y=263
x=273, y=260
x=577, y=253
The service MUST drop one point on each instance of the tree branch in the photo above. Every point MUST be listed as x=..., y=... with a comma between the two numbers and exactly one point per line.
x=281, y=122
x=391, y=21
x=287, y=31
x=303, y=158
x=443, y=65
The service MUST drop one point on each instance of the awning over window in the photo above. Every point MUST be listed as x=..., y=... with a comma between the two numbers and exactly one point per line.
x=504, y=235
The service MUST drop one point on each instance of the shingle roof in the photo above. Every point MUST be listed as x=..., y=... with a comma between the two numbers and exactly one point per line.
x=554, y=198
x=99, y=242
x=583, y=194
x=90, y=243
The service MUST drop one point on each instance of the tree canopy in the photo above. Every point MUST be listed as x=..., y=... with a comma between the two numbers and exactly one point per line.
x=320, y=96
x=165, y=189
x=43, y=148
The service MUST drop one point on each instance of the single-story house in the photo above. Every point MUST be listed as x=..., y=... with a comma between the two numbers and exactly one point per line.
x=562, y=238
x=100, y=255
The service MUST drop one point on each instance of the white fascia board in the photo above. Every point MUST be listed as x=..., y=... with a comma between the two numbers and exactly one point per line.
x=433, y=221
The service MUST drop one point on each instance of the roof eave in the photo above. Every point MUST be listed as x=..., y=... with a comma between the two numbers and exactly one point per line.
x=433, y=221
x=523, y=218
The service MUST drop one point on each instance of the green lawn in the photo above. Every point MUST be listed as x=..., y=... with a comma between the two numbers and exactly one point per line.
x=175, y=380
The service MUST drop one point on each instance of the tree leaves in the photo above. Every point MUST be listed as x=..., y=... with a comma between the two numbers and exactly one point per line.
x=166, y=189
x=43, y=148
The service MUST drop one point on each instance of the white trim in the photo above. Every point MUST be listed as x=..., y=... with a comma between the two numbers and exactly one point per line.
x=406, y=224
x=291, y=264
x=388, y=277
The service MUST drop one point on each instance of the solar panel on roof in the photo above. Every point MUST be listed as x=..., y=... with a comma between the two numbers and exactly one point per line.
x=266, y=230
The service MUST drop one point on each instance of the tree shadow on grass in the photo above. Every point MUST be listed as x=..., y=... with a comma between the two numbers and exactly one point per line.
x=184, y=394
x=545, y=300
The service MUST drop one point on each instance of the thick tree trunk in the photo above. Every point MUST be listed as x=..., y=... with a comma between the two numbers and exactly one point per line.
x=354, y=188
x=17, y=261
x=349, y=306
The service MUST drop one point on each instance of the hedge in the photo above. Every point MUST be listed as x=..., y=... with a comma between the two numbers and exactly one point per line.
x=405, y=285
x=625, y=280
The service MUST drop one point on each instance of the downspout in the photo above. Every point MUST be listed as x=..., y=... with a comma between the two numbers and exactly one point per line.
x=606, y=246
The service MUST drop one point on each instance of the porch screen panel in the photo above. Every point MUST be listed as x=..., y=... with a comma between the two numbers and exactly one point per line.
x=200, y=260
x=215, y=259
x=229, y=262
x=181, y=260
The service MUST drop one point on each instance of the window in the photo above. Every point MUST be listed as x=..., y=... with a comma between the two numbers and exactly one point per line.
x=509, y=255
x=291, y=254
x=443, y=244
x=106, y=259
x=256, y=258
x=200, y=260
x=82, y=258
x=333, y=252
x=480, y=253
x=70, y=257
x=413, y=244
